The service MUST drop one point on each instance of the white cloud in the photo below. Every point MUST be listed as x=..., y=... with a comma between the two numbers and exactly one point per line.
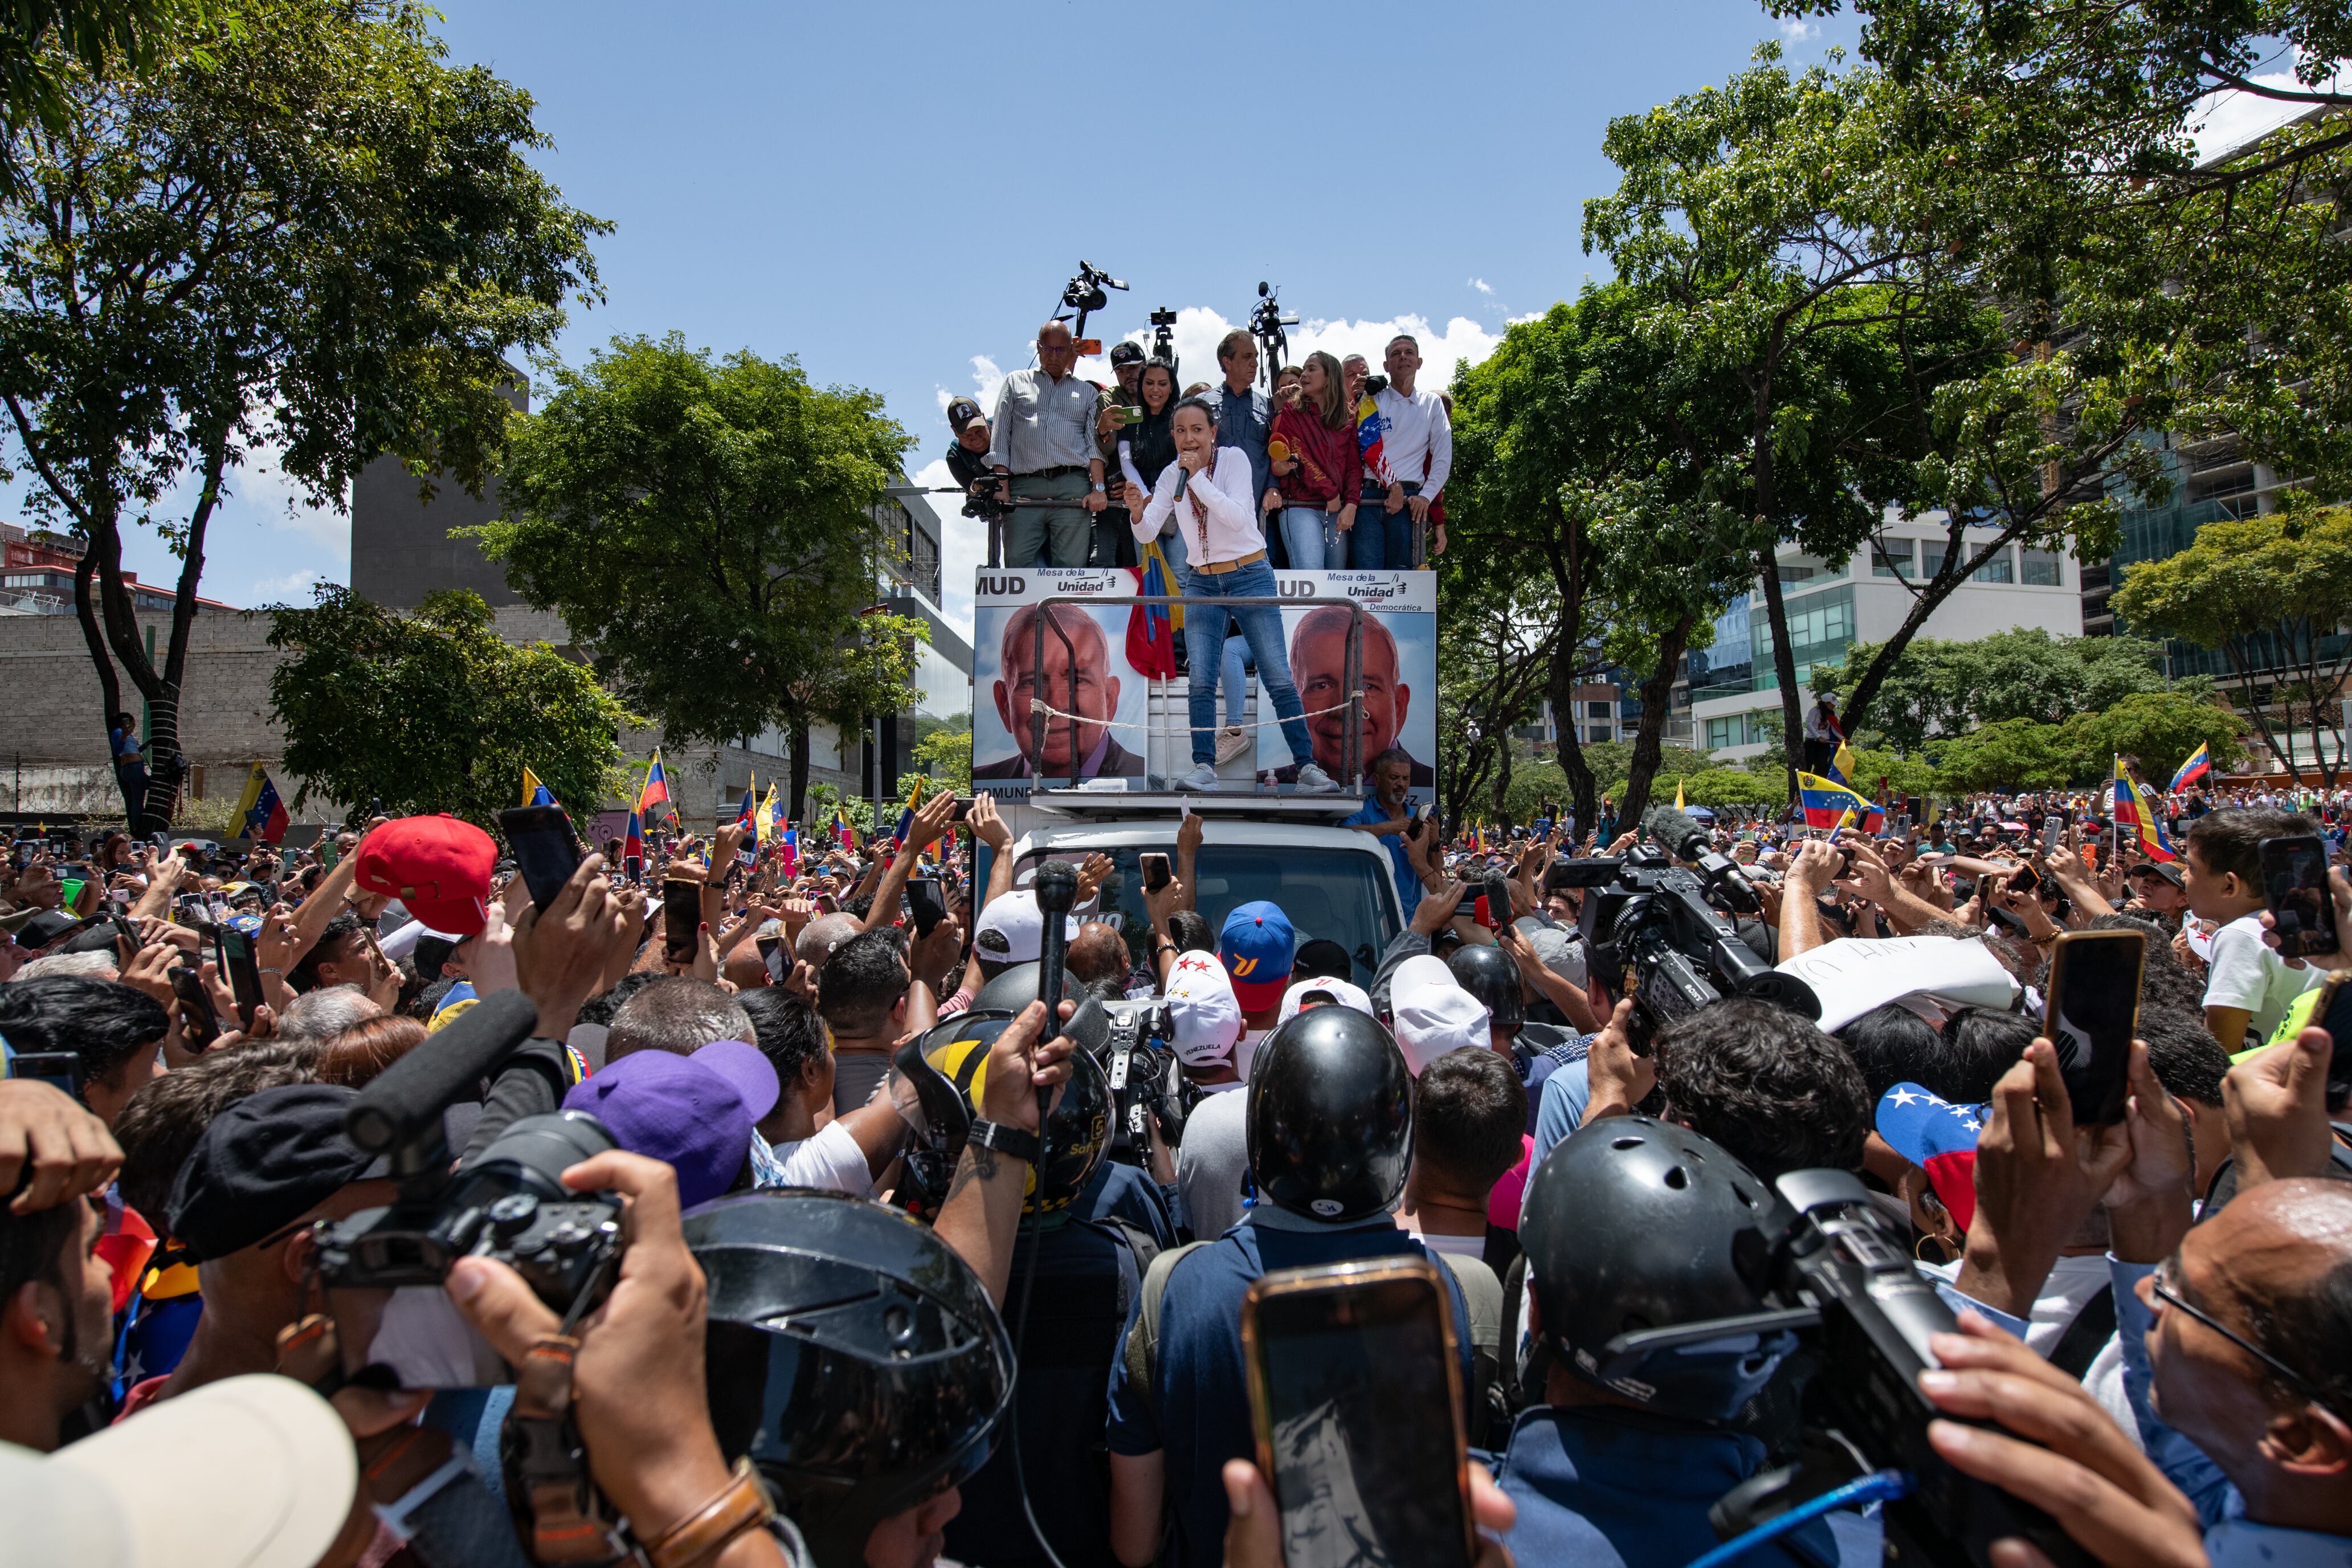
x=2227, y=121
x=1797, y=30
x=1483, y=287
x=293, y=588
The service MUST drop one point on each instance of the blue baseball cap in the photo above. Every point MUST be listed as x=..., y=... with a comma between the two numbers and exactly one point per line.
x=1256, y=947
x=695, y=1112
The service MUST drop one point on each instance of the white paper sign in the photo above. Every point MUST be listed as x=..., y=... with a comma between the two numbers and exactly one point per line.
x=1851, y=974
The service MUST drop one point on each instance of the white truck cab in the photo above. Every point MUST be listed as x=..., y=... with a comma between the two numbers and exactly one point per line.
x=1332, y=882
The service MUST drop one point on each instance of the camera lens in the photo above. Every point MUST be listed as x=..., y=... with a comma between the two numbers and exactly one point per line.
x=544, y=1147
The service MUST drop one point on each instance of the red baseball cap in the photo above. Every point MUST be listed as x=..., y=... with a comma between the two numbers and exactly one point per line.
x=438, y=866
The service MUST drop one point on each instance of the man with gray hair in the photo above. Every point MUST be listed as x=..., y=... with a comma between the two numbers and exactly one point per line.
x=1042, y=439
x=677, y=1015
x=325, y=1013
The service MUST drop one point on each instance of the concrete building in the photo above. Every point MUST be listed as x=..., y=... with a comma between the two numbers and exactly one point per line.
x=1732, y=686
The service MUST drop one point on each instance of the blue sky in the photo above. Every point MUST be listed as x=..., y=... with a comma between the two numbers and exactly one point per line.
x=895, y=193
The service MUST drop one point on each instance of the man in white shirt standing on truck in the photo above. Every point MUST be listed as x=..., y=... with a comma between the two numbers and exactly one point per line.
x=1417, y=454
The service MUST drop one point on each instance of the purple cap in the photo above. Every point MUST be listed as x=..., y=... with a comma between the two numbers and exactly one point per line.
x=696, y=1113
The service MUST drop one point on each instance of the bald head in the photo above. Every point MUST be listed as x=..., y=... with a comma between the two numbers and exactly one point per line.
x=822, y=935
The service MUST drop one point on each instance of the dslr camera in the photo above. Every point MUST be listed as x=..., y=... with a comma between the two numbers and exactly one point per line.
x=509, y=1204
x=1656, y=932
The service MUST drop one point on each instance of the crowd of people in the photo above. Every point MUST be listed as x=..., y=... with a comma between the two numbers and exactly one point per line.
x=912, y=1265
x=1346, y=464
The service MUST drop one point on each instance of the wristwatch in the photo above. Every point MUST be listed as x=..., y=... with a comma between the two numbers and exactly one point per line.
x=1003, y=1139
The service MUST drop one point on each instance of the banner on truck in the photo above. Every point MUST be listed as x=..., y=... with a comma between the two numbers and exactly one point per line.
x=1112, y=736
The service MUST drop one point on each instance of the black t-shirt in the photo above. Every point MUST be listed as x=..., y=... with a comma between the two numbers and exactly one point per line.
x=966, y=467
x=1087, y=1282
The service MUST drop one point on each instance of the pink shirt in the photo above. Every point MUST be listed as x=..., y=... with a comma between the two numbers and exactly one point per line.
x=1503, y=1203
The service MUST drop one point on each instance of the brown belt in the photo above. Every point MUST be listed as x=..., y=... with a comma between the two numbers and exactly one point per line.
x=1220, y=568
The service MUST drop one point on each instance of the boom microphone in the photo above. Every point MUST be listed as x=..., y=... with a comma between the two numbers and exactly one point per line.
x=409, y=1095
x=1674, y=832
x=1056, y=888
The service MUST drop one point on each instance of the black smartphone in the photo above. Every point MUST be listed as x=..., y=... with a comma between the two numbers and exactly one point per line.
x=924, y=906
x=62, y=1070
x=2024, y=880
x=2090, y=1014
x=1156, y=872
x=1499, y=903
x=962, y=811
x=545, y=849
x=681, y=919
x=1355, y=1389
x=197, y=1019
x=237, y=963
x=2294, y=885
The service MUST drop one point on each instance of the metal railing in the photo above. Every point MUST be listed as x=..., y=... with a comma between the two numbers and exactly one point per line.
x=1352, y=756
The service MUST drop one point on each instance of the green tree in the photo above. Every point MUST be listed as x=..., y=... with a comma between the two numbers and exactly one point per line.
x=44, y=42
x=433, y=711
x=1938, y=687
x=945, y=758
x=2013, y=754
x=2160, y=731
x=714, y=532
x=300, y=234
x=2272, y=596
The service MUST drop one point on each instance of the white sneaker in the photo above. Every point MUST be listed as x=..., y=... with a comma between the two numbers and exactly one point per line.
x=1232, y=741
x=1202, y=778
x=1313, y=780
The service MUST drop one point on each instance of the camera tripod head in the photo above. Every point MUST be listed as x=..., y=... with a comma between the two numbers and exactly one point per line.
x=1084, y=294
x=1163, y=337
x=1266, y=324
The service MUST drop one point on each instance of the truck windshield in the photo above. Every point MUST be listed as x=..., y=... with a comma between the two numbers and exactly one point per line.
x=1327, y=893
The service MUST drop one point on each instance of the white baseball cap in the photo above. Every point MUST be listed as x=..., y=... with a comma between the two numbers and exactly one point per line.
x=1327, y=992
x=1433, y=1014
x=249, y=1472
x=1012, y=929
x=1203, y=1014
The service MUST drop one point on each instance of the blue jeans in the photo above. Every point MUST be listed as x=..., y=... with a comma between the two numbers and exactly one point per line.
x=1383, y=539
x=1235, y=665
x=1261, y=625
x=1315, y=540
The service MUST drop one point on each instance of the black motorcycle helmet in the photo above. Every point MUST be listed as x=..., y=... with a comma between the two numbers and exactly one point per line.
x=1330, y=1116
x=1016, y=988
x=850, y=1353
x=1488, y=973
x=1634, y=1225
x=938, y=1082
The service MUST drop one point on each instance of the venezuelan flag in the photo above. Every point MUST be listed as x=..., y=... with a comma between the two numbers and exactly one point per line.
x=1842, y=766
x=1150, y=635
x=1370, y=430
x=2198, y=766
x=1828, y=803
x=533, y=792
x=2134, y=817
x=656, y=789
x=907, y=815
x=767, y=821
x=788, y=853
x=633, y=842
x=2152, y=813
x=747, y=815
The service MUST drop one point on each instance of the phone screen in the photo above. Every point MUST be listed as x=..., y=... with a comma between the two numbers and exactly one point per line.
x=197, y=1019
x=2024, y=880
x=681, y=918
x=2294, y=882
x=1357, y=1422
x=924, y=907
x=237, y=963
x=1156, y=874
x=2090, y=1012
x=544, y=849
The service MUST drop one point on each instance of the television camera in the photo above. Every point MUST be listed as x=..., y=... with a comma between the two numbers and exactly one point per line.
x=1266, y=324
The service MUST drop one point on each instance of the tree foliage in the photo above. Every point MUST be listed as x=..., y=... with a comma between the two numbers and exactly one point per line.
x=433, y=711
x=42, y=42
x=301, y=233
x=2272, y=595
x=713, y=533
x=2157, y=730
x=1938, y=686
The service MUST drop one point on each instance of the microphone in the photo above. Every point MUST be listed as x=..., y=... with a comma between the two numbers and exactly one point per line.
x=1674, y=832
x=408, y=1098
x=1056, y=888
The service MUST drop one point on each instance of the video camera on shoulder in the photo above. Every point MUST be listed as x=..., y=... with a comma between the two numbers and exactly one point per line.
x=509, y=1203
x=1840, y=1271
x=1655, y=933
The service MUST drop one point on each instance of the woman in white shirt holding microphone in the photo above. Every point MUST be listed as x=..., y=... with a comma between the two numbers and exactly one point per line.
x=1214, y=497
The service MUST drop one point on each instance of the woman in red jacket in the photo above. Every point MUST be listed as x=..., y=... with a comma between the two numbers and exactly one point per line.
x=1316, y=467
